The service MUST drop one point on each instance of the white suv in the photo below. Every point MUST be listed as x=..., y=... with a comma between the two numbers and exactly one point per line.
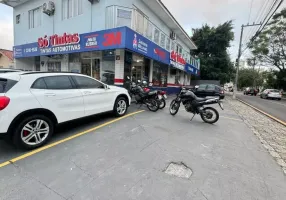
x=33, y=103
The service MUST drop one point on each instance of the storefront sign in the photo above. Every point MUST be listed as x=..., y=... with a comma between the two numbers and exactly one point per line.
x=177, y=61
x=191, y=69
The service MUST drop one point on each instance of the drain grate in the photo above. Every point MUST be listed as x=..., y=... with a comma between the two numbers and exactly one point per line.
x=179, y=169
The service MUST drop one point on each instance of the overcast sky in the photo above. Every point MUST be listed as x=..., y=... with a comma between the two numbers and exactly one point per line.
x=189, y=13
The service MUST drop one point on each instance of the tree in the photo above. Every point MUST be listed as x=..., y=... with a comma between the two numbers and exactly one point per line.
x=248, y=76
x=212, y=43
x=270, y=46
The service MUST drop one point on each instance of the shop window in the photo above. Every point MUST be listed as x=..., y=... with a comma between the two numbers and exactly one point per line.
x=71, y=8
x=54, y=66
x=163, y=40
x=107, y=72
x=18, y=19
x=35, y=18
x=177, y=77
x=168, y=44
x=160, y=74
x=156, y=35
x=149, y=32
x=124, y=17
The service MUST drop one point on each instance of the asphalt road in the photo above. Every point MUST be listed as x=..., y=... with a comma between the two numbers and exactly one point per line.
x=127, y=160
x=273, y=107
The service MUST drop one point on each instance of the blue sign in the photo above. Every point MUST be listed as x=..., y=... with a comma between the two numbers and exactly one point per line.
x=190, y=69
x=138, y=43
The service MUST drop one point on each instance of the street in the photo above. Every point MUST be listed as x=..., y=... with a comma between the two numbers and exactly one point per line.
x=127, y=160
x=272, y=107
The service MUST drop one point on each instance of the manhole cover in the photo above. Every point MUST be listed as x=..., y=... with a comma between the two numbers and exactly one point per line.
x=179, y=170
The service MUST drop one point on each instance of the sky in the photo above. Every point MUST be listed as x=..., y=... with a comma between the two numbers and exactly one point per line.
x=189, y=13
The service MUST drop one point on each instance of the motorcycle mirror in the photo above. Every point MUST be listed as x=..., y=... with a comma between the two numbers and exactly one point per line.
x=139, y=81
x=128, y=78
x=150, y=84
x=196, y=86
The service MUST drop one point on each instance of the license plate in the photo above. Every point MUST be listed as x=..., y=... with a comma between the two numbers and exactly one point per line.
x=159, y=97
x=165, y=96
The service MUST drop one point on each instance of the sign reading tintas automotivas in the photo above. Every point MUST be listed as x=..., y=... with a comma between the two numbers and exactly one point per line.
x=177, y=61
x=59, y=43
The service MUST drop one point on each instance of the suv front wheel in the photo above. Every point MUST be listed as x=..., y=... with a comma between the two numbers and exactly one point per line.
x=33, y=131
x=120, y=107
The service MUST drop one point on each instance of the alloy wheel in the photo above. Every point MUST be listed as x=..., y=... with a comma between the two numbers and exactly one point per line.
x=35, y=132
x=121, y=107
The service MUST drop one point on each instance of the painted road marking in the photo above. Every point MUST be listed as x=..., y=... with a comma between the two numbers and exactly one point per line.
x=65, y=140
x=264, y=113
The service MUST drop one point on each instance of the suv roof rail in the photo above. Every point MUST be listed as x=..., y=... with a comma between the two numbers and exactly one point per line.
x=27, y=73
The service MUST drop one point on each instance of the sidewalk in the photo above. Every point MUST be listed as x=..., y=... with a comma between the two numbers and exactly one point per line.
x=128, y=160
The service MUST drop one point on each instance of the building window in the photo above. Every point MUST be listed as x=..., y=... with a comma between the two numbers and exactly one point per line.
x=54, y=66
x=168, y=44
x=139, y=22
x=124, y=18
x=72, y=8
x=173, y=46
x=156, y=35
x=177, y=77
x=149, y=33
x=35, y=18
x=163, y=40
x=179, y=49
x=18, y=19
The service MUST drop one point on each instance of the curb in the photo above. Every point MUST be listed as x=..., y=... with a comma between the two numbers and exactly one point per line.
x=264, y=113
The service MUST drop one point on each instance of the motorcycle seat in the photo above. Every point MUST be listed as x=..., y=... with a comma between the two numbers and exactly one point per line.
x=152, y=92
x=204, y=99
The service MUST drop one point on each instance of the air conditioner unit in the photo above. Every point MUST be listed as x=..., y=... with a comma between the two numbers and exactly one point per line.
x=49, y=8
x=94, y=1
x=173, y=36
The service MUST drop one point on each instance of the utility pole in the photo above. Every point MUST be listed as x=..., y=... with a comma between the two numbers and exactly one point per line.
x=239, y=55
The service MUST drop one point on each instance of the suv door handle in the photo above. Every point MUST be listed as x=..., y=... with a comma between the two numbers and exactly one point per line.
x=50, y=94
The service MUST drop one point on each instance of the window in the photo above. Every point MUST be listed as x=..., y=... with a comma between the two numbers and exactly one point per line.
x=18, y=19
x=123, y=18
x=87, y=83
x=39, y=84
x=54, y=66
x=35, y=18
x=160, y=74
x=156, y=35
x=163, y=40
x=202, y=87
x=72, y=8
x=58, y=82
x=173, y=46
x=149, y=33
x=211, y=87
x=179, y=49
x=177, y=77
x=139, y=22
x=168, y=44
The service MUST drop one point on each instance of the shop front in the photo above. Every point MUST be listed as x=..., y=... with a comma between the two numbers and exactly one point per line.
x=110, y=56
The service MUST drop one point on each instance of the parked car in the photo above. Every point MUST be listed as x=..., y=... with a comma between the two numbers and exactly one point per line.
x=33, y=103
x=6, y=70
x=250, y=91
x=271, y=94
x=204, y=90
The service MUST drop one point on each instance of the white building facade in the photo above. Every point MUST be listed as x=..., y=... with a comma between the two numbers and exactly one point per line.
x=108, y=40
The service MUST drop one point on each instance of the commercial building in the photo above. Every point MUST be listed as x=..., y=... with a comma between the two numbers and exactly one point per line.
x=6, y=58
x=108, y=40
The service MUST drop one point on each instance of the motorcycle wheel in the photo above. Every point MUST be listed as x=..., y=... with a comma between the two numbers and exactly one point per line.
x=174, y=107
x=154, y=107
x=162, y=103
x=210, y=115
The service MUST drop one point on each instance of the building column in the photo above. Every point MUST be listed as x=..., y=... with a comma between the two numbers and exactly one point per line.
x=151, y=71
x=119, y=67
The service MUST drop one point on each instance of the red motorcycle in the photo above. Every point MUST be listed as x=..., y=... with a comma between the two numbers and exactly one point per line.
x=161, y=95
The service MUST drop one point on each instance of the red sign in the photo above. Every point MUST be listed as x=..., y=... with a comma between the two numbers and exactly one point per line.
x=112, y=39
x=58, y=40
x=177, y=58
x=160, y=53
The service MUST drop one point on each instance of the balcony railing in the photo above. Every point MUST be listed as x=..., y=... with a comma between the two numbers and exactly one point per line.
x=118, y=16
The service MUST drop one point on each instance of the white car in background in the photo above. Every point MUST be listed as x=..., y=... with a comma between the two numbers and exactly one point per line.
x=271, y=94
x=33, y=103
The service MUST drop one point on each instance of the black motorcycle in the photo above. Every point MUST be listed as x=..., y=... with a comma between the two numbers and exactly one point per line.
x=196, y=105
x=147, y=98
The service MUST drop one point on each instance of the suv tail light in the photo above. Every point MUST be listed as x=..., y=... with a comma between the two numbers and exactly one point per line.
x=4, y=102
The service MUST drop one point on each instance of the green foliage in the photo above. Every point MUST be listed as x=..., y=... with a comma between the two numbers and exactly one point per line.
x=212, y=43
x=270, y=48
x=250, y=78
